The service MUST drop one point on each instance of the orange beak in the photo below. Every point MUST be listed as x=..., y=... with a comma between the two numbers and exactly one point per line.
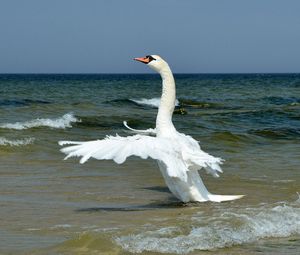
x=143, y=60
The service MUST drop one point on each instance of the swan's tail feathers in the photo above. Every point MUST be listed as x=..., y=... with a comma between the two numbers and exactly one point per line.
x=222, y=198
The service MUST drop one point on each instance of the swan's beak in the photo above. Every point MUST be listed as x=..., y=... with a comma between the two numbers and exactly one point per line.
x=143, y=60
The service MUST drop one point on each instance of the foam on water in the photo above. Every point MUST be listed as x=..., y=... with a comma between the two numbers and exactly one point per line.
x=223, y=229
x=21, y=142
x=62, y=122
x=154, y=102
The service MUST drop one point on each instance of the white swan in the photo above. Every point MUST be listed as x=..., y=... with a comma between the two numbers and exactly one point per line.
x=179, y=156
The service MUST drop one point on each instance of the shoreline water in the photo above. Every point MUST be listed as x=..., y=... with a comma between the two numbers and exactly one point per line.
x=61, y=207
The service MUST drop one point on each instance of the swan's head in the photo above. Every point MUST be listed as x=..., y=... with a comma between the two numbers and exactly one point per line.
x=153, y=61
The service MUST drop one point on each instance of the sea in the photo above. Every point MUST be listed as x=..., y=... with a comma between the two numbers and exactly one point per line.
x=49, y=205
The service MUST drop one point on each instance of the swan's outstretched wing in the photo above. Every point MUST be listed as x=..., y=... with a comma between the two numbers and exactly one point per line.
x=119, y=148
x=149, y=131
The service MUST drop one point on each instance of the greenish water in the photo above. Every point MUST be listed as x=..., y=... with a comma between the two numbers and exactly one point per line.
x=51, y=206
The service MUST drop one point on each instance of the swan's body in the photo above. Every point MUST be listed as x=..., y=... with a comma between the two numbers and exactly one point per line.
x=179, y=156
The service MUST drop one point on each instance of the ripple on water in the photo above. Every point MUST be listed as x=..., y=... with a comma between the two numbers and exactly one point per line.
x=278, y=133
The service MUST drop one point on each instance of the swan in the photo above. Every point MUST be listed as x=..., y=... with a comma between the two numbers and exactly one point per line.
x=179, y=156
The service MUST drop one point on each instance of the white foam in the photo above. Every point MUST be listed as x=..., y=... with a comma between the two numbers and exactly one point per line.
x=283, y=181
x=154, y=102
x=220, y=230
x=33, y=229
x=62, y=122
x=21, y=142
x=61, y=226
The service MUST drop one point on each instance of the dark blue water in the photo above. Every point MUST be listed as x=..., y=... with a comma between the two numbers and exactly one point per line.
x=53, y=206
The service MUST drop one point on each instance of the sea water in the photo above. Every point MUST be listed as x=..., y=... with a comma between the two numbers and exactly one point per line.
x=52, y=206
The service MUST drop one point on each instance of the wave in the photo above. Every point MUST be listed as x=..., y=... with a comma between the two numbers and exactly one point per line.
x=280, y=133
x=62, y=122
x=199, y=104
x=294, y=104
x=21, y=102
x=228, y=136
x=153, y=102
x=282, y=100
x=21, y=142
x=112, y=122
x=226, y=229
x=120, y=102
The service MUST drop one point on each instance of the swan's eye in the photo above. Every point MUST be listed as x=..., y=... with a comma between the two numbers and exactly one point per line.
x=150, y=58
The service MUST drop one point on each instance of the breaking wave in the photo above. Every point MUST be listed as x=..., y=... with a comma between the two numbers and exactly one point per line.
x=153, y=102
x=224, y=229
x=21, y=142
x=63, y=122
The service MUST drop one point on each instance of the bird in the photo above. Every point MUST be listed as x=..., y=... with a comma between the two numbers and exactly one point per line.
x=179, y=156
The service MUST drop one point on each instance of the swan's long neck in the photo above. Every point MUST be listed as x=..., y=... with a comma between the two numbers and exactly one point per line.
x=164, y=123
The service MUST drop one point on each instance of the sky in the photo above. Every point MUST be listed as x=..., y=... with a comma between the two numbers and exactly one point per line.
x=193, y=36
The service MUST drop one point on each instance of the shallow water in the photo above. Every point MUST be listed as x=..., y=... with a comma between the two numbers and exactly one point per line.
x=51, y=206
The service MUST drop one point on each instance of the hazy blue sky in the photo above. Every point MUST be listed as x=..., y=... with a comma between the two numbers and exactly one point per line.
x=101, y=36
